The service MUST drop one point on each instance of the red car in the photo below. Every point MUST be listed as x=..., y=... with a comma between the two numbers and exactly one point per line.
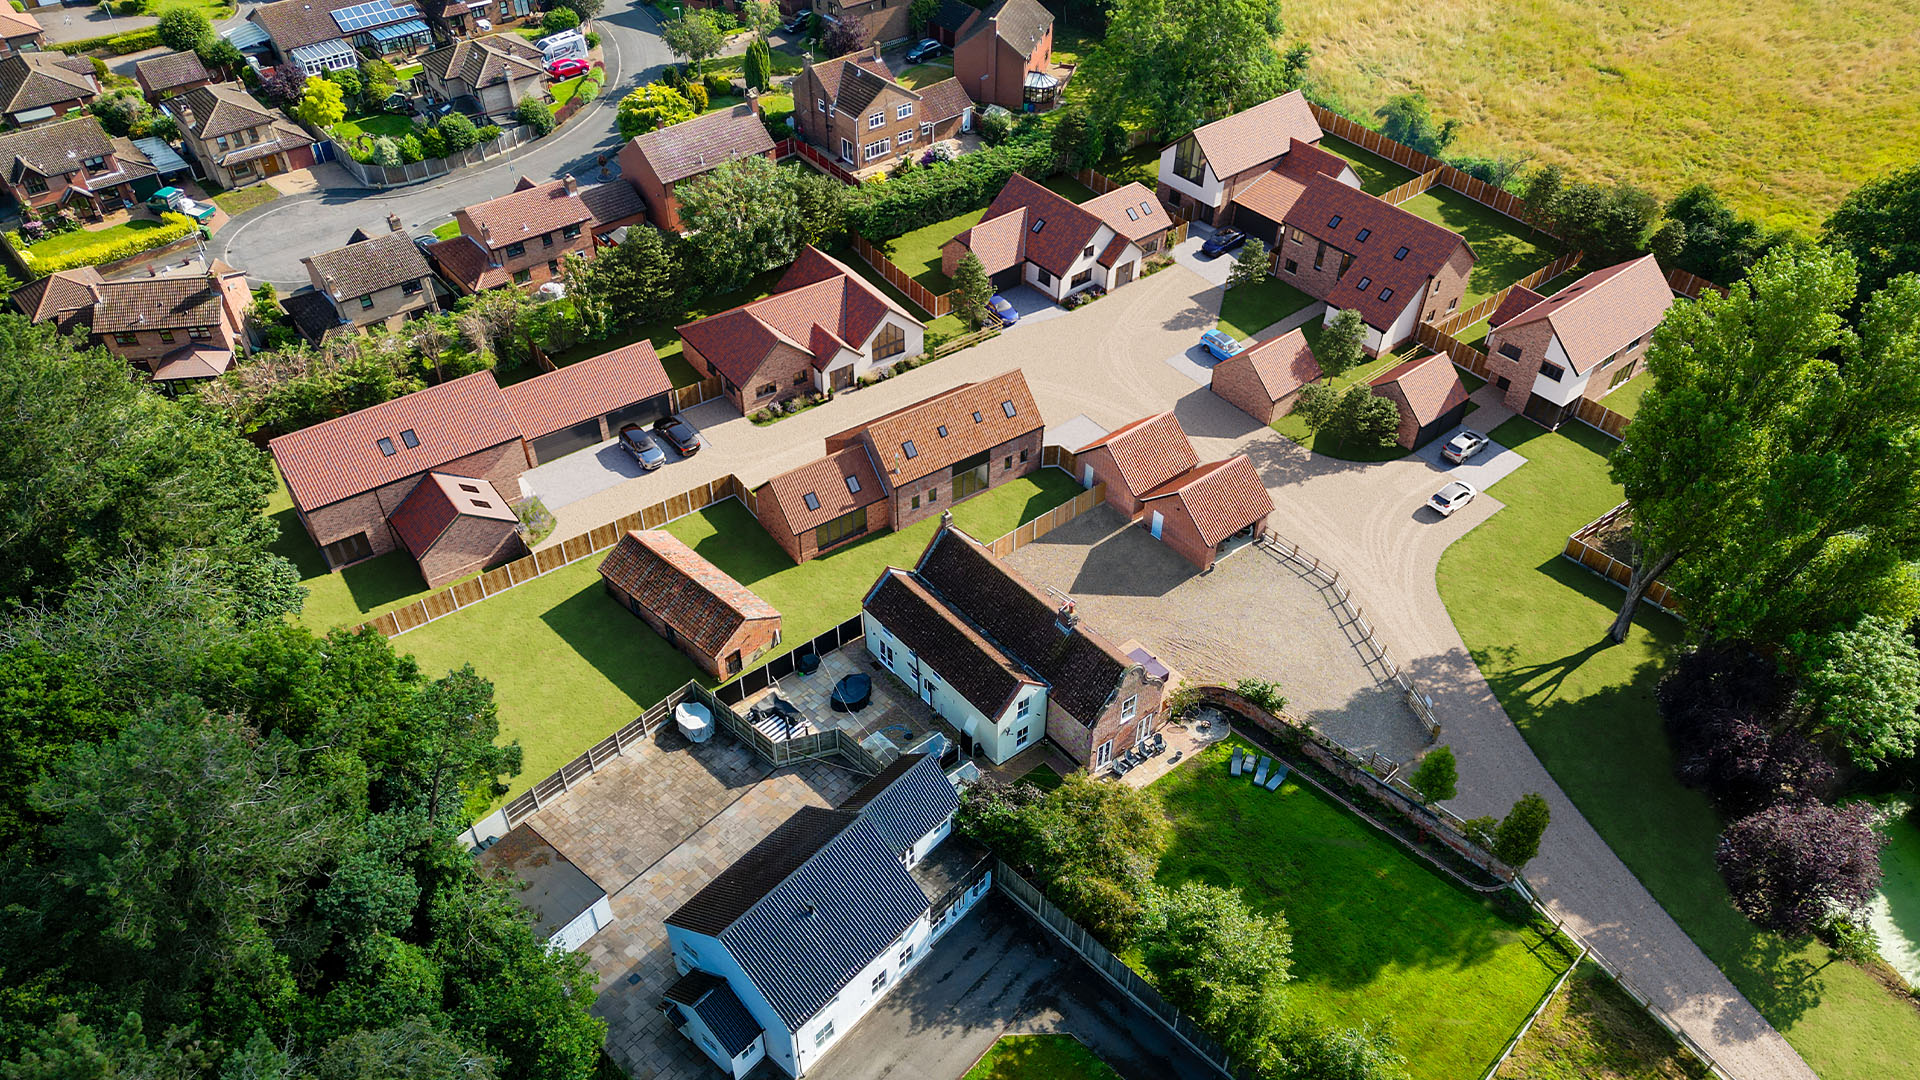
x=567, y=69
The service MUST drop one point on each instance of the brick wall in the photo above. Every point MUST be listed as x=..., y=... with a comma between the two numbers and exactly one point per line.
x=469, y=546
x=935, y=491
x=1449, y=286
x=1238, y=385
x=1105, y=470
x=1301, y=249
x=368, y=511
x=1531, y=339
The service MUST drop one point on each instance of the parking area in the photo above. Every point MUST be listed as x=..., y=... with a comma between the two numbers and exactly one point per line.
x=1254, y=615
x=1484, y=469
x=588, y=472
x=998, y=972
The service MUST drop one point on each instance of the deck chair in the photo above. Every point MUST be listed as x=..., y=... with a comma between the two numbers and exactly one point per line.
x=1279, y=774
x=1260, y=777
x=1235, y=770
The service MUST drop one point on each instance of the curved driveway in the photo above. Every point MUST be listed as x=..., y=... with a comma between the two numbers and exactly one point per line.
x=269, y=243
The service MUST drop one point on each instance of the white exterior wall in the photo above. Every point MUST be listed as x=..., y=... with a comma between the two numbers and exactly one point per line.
x=1372, y=339
x=706, y=953
x=696, y=1030
x=1403, y=327
x=584, y=926
x=1208, y=190
x=930, y=841
x=1060, y=289
x=1349, y=177
x=1569, y=386
x=997, y=736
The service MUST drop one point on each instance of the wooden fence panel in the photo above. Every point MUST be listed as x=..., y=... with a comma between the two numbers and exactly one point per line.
x=1409, y=189
x=438, y=604
x=408, y=617
x=468, y=592
x=1690, y=285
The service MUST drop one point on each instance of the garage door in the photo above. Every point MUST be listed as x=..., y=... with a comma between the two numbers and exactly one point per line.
x=640, y=412
x=1007, y=279
x=566, y=441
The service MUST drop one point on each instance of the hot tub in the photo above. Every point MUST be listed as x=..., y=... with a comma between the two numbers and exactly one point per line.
x=852, y=693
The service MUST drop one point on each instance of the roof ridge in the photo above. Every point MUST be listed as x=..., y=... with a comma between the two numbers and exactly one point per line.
x=852, y=818
x=966, y=621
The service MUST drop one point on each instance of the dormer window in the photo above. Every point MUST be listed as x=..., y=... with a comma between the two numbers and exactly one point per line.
x=386, y=447
x=1334, y=222
x=409, y=438
x=909, y=449
x=96, y=164
x=1401, y=254
x=1362, y=235
x=1007, y=407
x=812, y=500
x=1364, y=283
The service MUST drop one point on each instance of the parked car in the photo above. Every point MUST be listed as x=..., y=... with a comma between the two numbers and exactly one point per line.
x=1222, y=242
x=1220, y=345
x=926, y=50
x=1004, y=310
x=800, y=21
x=568, y=68
x=1452, y=497
x=425, y=242
x=678, y=434
x=1463, y=446
x=636, y=441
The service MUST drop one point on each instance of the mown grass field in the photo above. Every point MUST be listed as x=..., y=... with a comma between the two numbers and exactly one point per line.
x=1783, y=107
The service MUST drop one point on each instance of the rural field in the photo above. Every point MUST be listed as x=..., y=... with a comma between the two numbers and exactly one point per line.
x=1783, y=107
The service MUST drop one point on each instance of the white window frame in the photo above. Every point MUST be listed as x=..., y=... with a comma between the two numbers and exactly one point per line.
x=820, y=1037
x=875, y=120
x=822, y=102
x=1129, y=707
x=846, y=150
x=903, y=138
x=876, y=149
x=903, y=111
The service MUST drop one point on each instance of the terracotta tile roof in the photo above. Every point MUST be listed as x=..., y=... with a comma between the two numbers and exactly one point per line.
x=1148, y=452
x=1604, y=311
x=157, y=303
x=35, y=79
x=975, y=415
x=169, y=70
x=1019, y=23
x=831, y=481
x=1270, y=196
x=370, y=265
x=1053, y=230
x=830, y=72
x=1283, y=364
x=613, y=380
x=193, y=361
x=816, y=291
x=1428, y=386
x=983, y=674
x=525, y=213
x=437, y=501
x=221, y=109
x=1083, y=669
x=1222, y=497
x=55, y=149
x=1518, y=300
x=1331, y=211
x=614, y=203
x=697, y=599
x=17, y=24
x=703, y=143
x=340, y=458
x=997, y=242
x=942, y=101
x=1132, y=211
x=463, y=260
x=1237, y=143
x=1115, y=248
x=58, y=294
x=480, y=62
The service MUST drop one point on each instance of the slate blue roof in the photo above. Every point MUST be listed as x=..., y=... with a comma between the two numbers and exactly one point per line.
x=908, y=800
x=711, y=999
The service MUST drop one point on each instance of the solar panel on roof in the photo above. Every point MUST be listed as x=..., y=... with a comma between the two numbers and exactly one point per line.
x=361, y=16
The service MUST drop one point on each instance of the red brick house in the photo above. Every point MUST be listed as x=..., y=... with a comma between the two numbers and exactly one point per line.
x=454, y=526
x=74, y=164
x=905, y=466
x=19, y=31
x=1429, y=394
x=234, y=139
x=1032, y=236
x=823, y=328
x=720, y=624
x=36, y=87
x=851, y=108
x=880, y=21
x=179, y=327
x=523, y=238
x=350, y=477
x=1003, y=661
x=1203, y=172
x=1546, y=354
x=1265, y=378
x=656, y=162
x=170, y=74
x=1203, y=510
x=1136, y=458
x=1001, y=55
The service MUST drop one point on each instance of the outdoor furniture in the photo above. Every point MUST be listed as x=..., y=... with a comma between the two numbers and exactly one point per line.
x=851, y=693
x=1236, y=762
x=1279, y=774
x=1159, y=742
x=1260, y=777
x=807, y=663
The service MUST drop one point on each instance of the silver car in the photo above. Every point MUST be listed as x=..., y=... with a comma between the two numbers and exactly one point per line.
x=1463, y=446
x=1452, y=497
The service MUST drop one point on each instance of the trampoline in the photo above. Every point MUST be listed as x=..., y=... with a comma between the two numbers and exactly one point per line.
x=851, y=693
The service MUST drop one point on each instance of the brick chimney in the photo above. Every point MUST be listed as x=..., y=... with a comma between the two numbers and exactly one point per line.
x=573, y=185
x=486, y=234
x=394, y=224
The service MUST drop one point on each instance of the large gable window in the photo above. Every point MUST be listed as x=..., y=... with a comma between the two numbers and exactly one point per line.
x=845, y=527
x=1189, y=163
x=890, y=341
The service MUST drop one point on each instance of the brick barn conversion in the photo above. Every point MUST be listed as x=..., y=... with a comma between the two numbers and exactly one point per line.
x=1154, y=476
x=719, y=623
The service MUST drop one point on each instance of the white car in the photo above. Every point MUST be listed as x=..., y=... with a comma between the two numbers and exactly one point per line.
x=1463, y=446
x=1452, y=497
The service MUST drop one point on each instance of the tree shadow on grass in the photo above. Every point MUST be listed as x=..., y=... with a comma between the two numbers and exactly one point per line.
x=637, y=661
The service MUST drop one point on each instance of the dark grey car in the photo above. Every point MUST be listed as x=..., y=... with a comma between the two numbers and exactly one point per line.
x=645, y=449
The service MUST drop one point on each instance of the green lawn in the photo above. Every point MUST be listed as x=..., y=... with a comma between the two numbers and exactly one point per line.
x=375, y=124
x=351, y=596
x=1504, y=250
x=1068, y=188
x=1378, y=936
x=1592, y=1030
x=1896, y=911
x=1625, y=398
x=918, y=252
x=927, y=74
x=1043, y=777
x=214, y=10
x=83, y=238
x=1536, y=625
x=403, y=72
x=1294, y=428
x=569, y=665
x=564, y=90
x=1071, y=44
x=1249, y=309
x=447, y=231
x=1040, y=1057
x=240, y=200
x=1377, y=175
x=1141, y=163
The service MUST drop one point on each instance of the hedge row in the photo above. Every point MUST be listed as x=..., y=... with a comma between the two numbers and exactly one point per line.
x=114, y=44
x=924, y=196
x=177, y=226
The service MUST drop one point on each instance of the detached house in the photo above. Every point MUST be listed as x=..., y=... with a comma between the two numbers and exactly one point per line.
x=523, y=238
x=170, y=75
x=905, y=466
x=486, y=75
x=372, y=281
x=1547, y=353
x=73, y=164
x=36, y=87
x=823, y=328
x=719, y=623
x=179, y=327
x=1154, y=476
x=19, y=32
x=852, y=108
x=783, y=953
x=655, y=163
x=1203, y=172
x=328, y=35
x=1003, y=661
x=1030, y=235
x=234, y=139
x=1263, y=379
x=1001, y=55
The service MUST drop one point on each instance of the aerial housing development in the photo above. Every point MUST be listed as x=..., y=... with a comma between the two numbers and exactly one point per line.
x=959, y=539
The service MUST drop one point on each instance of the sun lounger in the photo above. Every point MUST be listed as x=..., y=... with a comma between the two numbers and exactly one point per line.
x=1235, y=771
x=1260, y=777
x=1279, y=774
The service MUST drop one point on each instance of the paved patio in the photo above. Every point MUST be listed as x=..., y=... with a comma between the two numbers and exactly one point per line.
x=900, y=720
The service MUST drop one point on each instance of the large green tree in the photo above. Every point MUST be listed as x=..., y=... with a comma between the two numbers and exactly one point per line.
x=744, y=218
x=1774, y=467
x=1172, y=65
x=1863, y=682
x=1879, y=224
x=1220, y=962
x=693, y=39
